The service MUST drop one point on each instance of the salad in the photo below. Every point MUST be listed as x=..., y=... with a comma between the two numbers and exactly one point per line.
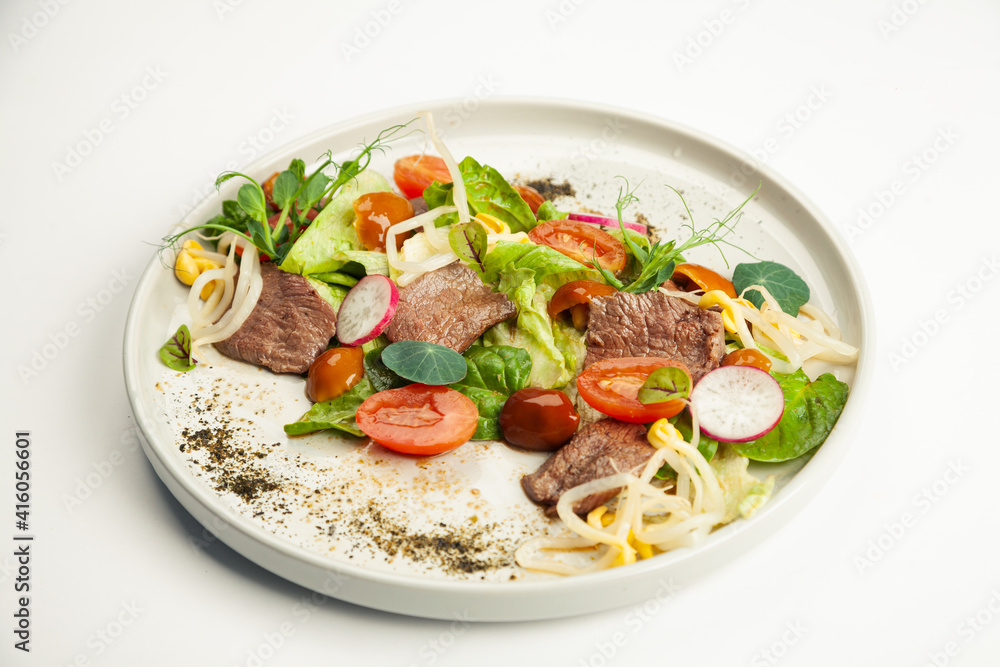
x=459, y=306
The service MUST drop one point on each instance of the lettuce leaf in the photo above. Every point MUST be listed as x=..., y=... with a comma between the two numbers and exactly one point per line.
x=487, y=192
x=330, y=243
x=742, y=493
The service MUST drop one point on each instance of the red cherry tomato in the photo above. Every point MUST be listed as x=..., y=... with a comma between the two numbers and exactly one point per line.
x=538, y=419
x=581, y=242
x=612, y=385
x=418, y=419
x=415, y=172
x=376, y=212
x=334, y=372
x=532, y=197
x=575, y=296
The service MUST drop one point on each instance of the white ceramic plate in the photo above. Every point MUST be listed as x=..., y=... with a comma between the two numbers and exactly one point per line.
x=435, y=537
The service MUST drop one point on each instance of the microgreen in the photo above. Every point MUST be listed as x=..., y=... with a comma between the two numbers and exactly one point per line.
x=668, y=383
x=468, y=240
x=176, y=352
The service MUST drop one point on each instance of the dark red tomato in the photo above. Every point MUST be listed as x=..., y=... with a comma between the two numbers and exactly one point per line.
x=418, y=419
x=747, y=357
x=538, y=419
x=376, y=212
x=334, y=372
x=611, y=386
x=532, y=197
x=575, y=297
x=414, y=173
x=581, y=242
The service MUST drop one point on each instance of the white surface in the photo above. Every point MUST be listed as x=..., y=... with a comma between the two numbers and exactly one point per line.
x=859, y=112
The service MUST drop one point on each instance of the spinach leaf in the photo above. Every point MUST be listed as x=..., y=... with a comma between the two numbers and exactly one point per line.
x=811, y=411
x=788, y=289
x=176, y=352
x=379, y=374
x=337, y=413
x=493, y=374
x=427, y=363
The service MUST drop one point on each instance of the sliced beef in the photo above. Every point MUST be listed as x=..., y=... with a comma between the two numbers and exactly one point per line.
x=450, y=306
x=598, y=450
x=288, y=328
x=655, y=325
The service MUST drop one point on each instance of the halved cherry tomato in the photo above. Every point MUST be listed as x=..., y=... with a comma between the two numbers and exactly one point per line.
x=581, y=242
x=747, y=357
x=334, y=372
x=414, y=173
x=376, y=212
x=532, y=197
x=418, y=419
x=611, y=386
x=538, y=419
x=575, y=296
x=691, y=277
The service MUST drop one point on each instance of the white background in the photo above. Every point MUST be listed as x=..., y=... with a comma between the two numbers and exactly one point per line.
x=850, y=100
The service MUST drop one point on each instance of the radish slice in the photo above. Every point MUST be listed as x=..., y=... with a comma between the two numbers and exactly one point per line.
x=737, y=403
x=367, y=310
x=607, y=222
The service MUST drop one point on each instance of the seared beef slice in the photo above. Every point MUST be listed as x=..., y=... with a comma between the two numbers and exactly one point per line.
x=288, y=328
x=598, y=450
x=450, y=306
x=655, y=325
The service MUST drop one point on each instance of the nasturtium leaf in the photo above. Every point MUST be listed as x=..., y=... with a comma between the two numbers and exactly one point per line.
x=811, y=411
x=788, y=289
x=284, y=188
x=668, y=383
x=251, y=200
x=426, y=363
x=176, y=352
x=468, y=241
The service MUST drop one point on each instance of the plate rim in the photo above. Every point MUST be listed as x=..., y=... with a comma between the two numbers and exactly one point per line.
x=802, y=487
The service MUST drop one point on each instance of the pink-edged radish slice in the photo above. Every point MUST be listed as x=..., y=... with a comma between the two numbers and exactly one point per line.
x=600, y=220
x=737, y=403
x=367, y=310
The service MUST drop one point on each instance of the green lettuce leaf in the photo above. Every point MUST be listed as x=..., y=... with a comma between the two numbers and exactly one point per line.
x=548, y=211
x=337, y=413
x=811, y=411
x=330, y=242
x=742, y=493
x=487, y=192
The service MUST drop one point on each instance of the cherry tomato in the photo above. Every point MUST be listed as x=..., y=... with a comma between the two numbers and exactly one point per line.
x=376, y=212
x=747, y=357
x=581, y=242
x=538, y=419
x=334, y=372
x=612, y=385
x=532, y=197
x=691, y=277
x=575, y=296
x=415, y=172
x=418, y=419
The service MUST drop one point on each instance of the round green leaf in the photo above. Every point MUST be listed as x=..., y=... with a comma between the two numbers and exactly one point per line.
x=665, y=384
x=427, y=363
x=788, y=289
